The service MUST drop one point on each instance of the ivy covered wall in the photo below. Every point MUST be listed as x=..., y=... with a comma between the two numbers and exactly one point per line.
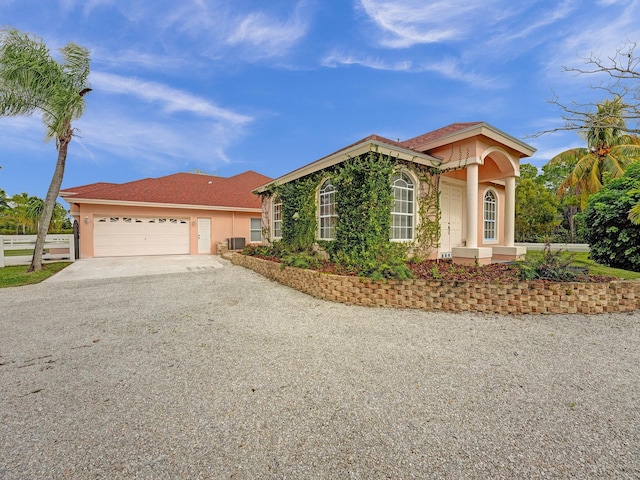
x=364, y=201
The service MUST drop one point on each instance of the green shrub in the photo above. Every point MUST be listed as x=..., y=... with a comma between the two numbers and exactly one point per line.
x=308, y=260
x=276, y=249
x=550, y=266
x=613, y=239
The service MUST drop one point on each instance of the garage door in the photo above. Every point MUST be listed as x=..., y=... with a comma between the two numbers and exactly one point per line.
x=126, y=236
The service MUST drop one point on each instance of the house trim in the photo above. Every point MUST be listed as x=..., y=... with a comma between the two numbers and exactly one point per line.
x=484, y=129
x=159, y=205
x=368, y=145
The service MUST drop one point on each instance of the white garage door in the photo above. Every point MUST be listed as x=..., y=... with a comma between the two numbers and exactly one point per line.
x=126, y=236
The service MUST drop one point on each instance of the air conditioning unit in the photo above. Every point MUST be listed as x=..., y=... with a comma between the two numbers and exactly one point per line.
x=236, y=243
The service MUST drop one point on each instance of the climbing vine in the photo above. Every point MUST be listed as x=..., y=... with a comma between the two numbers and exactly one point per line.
x=299, y=221
x=427, y=235
x=364, y=201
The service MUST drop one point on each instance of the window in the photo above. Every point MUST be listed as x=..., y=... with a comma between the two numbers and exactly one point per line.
x=402, y=214
x=490, y=204
x=256, y=230
x=277, y=217
x=327, y=211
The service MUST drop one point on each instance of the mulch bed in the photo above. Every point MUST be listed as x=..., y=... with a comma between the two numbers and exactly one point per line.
x=447, y=271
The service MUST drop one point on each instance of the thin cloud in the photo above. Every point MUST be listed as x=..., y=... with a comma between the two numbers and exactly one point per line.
x=152, y=144
x=214, y=26
x=336, y=59
x=616, y=26
x=15, y=130
x=135, y=59
x=451, y=68
x=267, y=35
x=412, y=22
x=171, y=99
x=548, y=17
x=448, y=68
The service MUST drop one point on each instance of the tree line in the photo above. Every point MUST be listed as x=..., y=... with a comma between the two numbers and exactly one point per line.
x=589, y=194
x=21, y=214
x=550, y=206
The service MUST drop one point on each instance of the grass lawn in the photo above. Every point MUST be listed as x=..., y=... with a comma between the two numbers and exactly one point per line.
x=18, y=253
x=581, y=259
x=17, y=275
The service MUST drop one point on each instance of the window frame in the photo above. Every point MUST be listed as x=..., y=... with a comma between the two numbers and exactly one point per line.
x=327, y=216
x=276, y=214
x=253, y=230
x=408, y=222
x=490, y=224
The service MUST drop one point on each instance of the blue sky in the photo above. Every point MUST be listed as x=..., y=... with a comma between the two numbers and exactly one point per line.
x=229, y=86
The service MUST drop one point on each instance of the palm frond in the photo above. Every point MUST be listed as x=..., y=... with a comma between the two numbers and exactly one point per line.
x=30, y=79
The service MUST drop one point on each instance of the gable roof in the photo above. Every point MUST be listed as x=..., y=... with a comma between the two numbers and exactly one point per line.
x=375, y=143
x=177, y=189
x=436, y=134
x=414, y=149
x=462, y=130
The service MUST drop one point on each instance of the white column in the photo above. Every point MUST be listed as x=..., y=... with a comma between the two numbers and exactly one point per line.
x=509, y=211
x=472, y=205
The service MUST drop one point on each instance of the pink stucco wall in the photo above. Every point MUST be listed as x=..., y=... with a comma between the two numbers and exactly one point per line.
x=224, y=224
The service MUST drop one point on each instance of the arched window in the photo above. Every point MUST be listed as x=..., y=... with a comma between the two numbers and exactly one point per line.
x=403, y=212
x=490, y=216
x=327, y=211
x=277, y=217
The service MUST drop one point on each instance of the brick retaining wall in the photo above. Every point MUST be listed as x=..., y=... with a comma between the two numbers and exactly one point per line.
x=430, y=295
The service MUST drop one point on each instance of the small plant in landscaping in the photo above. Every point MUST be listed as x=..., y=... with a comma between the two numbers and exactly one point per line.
x=306, y=260
x=435, y=273
x=551, y=266
x=275, y=251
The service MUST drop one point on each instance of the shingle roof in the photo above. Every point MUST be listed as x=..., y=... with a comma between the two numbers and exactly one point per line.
x=177, y=189
x=372, y=138
x=81, y=190
x=435, y=134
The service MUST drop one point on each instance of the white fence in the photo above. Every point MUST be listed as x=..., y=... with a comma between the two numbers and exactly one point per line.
x=567, y=247
x=56, y=248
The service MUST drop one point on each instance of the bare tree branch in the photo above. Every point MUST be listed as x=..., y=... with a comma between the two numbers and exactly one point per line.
x=623, y=70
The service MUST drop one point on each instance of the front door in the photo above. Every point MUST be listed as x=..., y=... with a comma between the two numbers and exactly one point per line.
x=204, y=235
x=451, y=204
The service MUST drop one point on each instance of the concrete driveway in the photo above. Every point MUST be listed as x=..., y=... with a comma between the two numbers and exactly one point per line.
x=115, y=267
x=223, y=374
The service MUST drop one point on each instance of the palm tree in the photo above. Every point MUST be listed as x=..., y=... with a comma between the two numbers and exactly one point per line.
x=35, y=208
x=608, y=153
x=32, y=80
x=19, y=211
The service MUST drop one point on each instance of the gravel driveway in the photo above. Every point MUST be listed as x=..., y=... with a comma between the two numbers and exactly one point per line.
x=223, y=374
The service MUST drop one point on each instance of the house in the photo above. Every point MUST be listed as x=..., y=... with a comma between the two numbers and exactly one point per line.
x=184, y=213
x=466, y=171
